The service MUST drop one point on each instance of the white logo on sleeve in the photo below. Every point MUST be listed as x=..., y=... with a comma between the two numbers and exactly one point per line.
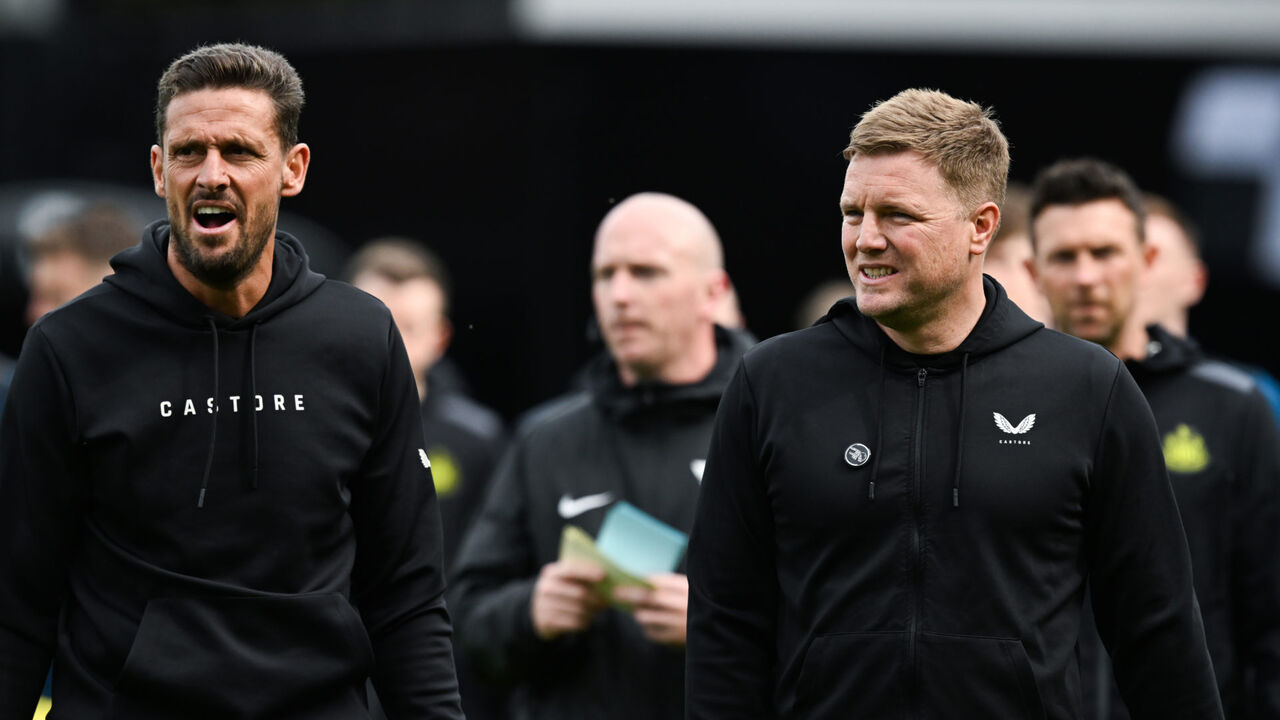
x=697, y=466
x=570, y=507
x=1021, y=428
x=426, y=461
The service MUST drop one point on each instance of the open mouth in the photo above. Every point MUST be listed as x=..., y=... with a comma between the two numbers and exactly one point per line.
x=878, y=272
x=212, y=218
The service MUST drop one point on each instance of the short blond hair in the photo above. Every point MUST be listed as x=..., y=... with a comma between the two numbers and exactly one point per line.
x=960, y=137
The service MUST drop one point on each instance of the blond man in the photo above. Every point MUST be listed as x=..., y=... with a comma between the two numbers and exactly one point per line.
x=902, y=504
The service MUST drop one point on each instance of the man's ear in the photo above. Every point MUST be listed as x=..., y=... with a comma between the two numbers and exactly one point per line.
x=1030, y=264
x=1200, y=278
x=1149, y=254
x=157, y=169
x=296, y=161
x=446, y=337
x=985, y=220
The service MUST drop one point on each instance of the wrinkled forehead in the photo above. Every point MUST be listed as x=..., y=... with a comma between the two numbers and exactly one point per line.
x=243, y=114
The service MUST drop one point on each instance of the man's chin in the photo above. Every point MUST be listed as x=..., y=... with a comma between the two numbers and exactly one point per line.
x=1091, y=332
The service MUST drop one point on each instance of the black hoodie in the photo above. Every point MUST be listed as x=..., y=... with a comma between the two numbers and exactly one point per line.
x=887, y=535
x=217, y=517
x=643, y=444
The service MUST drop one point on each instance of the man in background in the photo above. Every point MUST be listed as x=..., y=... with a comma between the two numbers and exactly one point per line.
x=1218, y=435
x=464, y=438
x=1010, y=251
x=638, y=433
x=1177, y=280
x=73, y=255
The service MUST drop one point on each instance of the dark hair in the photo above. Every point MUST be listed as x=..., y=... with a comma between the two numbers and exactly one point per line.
x=399, y=260
x=1083, y=180
x=233, y=65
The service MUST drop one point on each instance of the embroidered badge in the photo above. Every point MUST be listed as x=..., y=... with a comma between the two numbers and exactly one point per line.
x=1185, y=450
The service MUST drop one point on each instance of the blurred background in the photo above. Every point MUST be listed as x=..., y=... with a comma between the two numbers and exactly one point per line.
x=499, y=132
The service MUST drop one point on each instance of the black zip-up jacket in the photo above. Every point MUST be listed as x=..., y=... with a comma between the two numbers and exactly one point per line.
x=1222, y=449
x=219, y=518
x=890, y=536
x=571, y=460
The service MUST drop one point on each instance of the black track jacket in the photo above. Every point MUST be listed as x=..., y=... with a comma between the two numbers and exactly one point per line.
x=1222, y=449
x=218, y=518
x=571, y=460
x=888, y=536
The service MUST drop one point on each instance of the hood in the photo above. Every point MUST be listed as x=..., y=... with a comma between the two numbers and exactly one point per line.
x=1166, y=353
x=620, y=401
x=1002, y=324
x=143, y=271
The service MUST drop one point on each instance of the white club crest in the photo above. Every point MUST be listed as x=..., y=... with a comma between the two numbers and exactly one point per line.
x=857, y=455
x=1021, y=428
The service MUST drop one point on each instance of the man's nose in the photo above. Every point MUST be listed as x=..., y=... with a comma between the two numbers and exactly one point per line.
x=621, y=286
x=1086, y=270
x=869, y=236
x=213, y=171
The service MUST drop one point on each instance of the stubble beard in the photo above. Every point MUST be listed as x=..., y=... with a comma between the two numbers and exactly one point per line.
x=225, y=270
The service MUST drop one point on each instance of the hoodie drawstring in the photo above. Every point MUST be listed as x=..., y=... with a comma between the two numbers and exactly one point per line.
x=213, y=431
x=964, y=375
x=253, y=412
x=875, y=459
x=253, y=388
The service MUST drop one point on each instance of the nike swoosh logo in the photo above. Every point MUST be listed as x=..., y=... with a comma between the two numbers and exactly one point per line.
x=570, y=507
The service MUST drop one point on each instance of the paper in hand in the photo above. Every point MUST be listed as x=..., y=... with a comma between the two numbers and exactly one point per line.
x=576, y=544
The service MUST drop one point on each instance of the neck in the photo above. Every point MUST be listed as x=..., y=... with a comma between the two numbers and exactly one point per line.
x=235, y=301
x=1175, y=324
x=693, y=365
x=1131, y=343
x=947, y=329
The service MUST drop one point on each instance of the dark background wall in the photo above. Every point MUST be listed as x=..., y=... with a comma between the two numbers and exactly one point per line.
x=503, y=154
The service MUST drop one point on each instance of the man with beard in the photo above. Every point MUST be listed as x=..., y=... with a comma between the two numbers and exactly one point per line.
x=1221, y=446
x=214, y=497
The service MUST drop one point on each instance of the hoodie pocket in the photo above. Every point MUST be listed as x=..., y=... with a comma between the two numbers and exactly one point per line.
x=853, y=675
x=304, y=656
x=976, y=677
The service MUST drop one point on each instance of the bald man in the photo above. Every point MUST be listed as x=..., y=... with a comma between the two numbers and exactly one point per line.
x=637, y=433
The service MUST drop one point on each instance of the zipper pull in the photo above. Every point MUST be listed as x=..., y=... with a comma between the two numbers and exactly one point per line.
x=920, y=375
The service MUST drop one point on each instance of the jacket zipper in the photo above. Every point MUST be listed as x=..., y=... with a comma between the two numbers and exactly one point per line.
x=918, y=570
